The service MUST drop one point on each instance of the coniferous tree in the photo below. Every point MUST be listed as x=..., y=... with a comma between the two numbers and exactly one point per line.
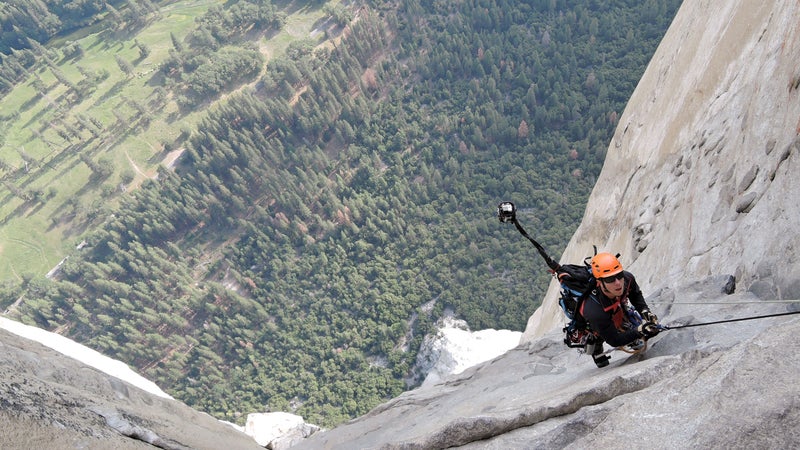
x=125, y=66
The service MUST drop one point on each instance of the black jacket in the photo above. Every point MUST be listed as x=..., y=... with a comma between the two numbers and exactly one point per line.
x=606, y=316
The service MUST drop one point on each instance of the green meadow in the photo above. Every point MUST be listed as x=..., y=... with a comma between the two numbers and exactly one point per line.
x=66, y=160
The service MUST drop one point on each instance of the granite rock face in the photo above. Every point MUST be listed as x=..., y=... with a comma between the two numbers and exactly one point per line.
x=278, y=430
x=53, y=401
x=455, y=348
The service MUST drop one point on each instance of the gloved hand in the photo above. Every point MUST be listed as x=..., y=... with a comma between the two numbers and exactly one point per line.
x=648, y=316
x=648, y=330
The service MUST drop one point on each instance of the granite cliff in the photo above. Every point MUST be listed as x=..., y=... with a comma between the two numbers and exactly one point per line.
x=51, y=399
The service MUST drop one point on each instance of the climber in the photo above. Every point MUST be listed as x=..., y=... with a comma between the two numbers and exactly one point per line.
x=609, y=311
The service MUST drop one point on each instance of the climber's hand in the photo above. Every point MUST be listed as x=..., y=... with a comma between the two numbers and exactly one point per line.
x=648, y=330
x=648, y=316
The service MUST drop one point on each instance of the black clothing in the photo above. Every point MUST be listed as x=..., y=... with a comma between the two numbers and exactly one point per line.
x=607, y=316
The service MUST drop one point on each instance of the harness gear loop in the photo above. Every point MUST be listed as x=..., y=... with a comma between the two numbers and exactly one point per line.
x=631, y=351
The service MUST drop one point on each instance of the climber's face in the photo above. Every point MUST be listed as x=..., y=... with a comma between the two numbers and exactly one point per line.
x=613, y=286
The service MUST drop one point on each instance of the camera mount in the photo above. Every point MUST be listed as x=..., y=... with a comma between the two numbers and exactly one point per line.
x=507, y=212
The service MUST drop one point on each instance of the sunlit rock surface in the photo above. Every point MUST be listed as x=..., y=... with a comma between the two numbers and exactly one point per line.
x=49, y=399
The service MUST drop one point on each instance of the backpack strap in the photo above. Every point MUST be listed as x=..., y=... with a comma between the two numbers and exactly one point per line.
x=582, y=299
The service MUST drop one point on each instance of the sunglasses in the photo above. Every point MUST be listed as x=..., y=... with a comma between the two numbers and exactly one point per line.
x=612, y=278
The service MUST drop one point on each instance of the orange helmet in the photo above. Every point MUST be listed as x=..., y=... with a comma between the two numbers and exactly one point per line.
x=604, y=265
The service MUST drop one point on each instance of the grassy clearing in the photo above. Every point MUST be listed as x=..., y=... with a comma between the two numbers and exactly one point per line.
x=37, y=233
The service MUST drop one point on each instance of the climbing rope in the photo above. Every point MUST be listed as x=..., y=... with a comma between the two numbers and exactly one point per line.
x=741, y=319
x=626, y=349
x=631, y=351
x=643, y=348
x=756, y=302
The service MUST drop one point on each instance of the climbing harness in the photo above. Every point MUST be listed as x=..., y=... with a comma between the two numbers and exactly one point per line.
x=628, y=349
